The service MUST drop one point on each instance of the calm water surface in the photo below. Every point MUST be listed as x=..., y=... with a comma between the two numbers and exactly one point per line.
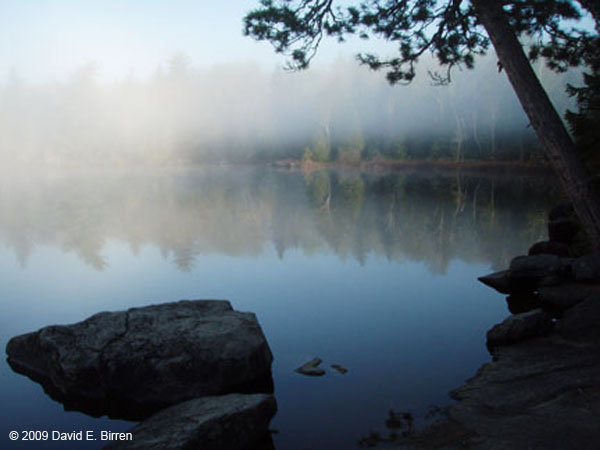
x=377, y=273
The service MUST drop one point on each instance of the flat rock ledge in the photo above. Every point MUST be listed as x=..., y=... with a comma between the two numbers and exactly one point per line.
x=542, y=393
x=232, y=422
x=131, y=364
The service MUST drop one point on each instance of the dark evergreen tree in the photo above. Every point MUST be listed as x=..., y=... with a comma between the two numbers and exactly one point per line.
x=585, y=123
x=455, y=31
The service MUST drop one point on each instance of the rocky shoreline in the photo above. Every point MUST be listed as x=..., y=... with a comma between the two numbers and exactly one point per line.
x=541, y=391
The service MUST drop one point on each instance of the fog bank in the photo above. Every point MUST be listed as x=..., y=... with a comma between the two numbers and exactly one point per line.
x=240, y=112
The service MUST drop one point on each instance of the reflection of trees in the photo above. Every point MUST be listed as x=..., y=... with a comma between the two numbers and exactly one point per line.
x=415, y=216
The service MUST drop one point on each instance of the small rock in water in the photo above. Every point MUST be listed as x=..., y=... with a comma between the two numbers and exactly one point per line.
x=311, y=368
x=341, y=369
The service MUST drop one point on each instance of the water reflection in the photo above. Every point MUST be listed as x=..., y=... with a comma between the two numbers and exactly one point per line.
x=417, y=215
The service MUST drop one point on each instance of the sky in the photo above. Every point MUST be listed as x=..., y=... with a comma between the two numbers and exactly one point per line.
x=46, y=40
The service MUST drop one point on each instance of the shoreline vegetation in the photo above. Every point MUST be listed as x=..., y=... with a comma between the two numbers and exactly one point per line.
x=391, y=165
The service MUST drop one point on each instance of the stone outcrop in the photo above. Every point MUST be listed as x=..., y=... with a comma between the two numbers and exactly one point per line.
x=519, y=327
x=549, y=248
x=541, y=391
x=130, y=364
x=557, y=299
x=533, y=272
x=232, y=422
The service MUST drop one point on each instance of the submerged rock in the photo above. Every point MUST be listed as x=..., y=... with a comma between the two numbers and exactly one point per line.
x=311, y=368
x=232, y=422
x=130, y=364
x=519, y=327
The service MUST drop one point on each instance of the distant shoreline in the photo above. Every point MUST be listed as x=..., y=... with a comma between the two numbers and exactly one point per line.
x=402, y=165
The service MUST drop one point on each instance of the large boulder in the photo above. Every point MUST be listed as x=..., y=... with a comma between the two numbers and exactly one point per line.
x=519, y=327
x=562, y=229
x=564, y=296
x=232, y=422
x=527, y=273
x=549, y=248
x=130, y=364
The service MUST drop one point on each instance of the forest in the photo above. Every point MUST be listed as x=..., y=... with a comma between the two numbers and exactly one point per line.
x=241, y=113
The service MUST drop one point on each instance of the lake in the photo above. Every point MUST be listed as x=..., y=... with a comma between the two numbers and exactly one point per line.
x=376, y=272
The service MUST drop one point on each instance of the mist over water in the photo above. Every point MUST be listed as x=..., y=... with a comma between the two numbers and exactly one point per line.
x=246, y=212
x=242, y=112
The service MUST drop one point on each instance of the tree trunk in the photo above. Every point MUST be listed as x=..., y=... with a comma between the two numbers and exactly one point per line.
x=547, y=124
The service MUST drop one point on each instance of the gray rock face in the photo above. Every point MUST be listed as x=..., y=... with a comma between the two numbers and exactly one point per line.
x=529, y=272
x=581, y=322
x=519, y=327
x=564, y=296
x=132, y=363
x=549, y=248
x=232, y=422
x=543, y=393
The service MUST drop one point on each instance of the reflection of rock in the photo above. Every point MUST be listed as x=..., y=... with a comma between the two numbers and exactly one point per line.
x=341, y=369
x=311, y=368
x=232, y=422
x=519, y=327
x=132, y=363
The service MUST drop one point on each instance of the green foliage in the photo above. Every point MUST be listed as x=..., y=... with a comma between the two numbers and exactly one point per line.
x=351, y=150
x=585, y=124
x=448, y=29
x=320, y=149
